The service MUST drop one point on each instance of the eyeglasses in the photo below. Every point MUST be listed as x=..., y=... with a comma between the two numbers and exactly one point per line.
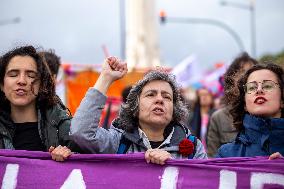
x=266, y=85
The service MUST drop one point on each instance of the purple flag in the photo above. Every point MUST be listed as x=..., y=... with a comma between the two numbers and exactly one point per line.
x=24, y=169
x=188, y=71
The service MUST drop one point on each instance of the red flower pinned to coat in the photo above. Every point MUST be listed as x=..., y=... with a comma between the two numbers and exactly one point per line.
x=186, y=147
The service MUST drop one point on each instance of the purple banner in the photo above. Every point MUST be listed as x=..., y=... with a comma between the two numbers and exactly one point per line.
x=24, y=169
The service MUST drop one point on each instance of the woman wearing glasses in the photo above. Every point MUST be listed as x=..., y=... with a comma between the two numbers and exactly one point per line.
x=258, y=114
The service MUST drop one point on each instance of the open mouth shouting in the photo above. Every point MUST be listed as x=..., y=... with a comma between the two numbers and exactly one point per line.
x=158, y=110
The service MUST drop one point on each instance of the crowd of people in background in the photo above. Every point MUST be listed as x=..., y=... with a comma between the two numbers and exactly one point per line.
x=154, y=117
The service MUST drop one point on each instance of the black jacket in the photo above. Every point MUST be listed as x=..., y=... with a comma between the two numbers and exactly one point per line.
x=53, y=128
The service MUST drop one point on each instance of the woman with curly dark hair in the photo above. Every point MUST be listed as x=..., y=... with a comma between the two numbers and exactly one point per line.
x=258, y=114
x=32, y=117
x=220, y=128
x=148, y=122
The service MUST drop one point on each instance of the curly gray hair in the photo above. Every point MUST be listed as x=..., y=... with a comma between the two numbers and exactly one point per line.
x=128, y=115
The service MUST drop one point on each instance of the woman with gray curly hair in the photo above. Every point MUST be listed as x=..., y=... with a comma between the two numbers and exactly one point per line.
x=148, y=122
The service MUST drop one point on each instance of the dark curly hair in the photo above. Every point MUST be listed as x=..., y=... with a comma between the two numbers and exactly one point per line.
x=231, y=73
x=128, y=115
x=46, y=96
x=238, y=103
x=52, y=60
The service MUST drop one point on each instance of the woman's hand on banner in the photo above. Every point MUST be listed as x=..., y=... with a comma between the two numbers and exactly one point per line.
x=275, y=155
x=60, y=153
x=157, y=156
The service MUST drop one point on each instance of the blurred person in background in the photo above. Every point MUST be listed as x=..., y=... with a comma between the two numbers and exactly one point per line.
x=125, y=92
x=203, y=109
x=220, y=129
x=108, y=115
x=52, y=60
x=258, y=113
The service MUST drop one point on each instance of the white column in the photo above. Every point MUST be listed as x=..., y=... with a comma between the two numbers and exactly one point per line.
x=142, y=49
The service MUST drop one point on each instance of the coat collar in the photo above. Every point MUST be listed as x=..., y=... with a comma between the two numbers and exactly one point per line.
x=263, y=125
x=173, y=138
x=263, y=129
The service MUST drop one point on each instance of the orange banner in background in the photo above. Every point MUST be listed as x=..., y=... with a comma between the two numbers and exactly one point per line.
x=78, y=83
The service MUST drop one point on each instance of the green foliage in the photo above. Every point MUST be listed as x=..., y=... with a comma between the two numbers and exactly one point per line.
x=275, y=58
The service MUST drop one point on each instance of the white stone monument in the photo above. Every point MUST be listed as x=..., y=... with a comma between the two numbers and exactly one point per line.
x=142, y=48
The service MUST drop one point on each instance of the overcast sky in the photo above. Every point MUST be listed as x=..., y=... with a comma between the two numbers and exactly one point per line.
x=77, y=29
